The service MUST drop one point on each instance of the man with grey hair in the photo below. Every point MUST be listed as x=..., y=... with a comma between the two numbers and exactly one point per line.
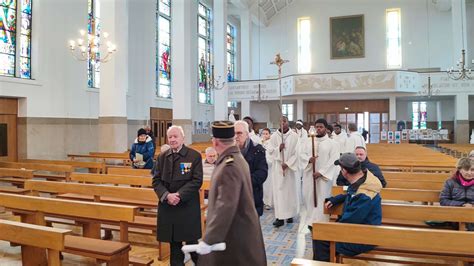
x=176, y=181
x=231, y=216
x=209, y=163
x=254, y=154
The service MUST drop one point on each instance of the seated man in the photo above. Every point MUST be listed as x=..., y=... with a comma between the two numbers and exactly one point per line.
x=362, y=205
x=361, y=154
x=209, y=163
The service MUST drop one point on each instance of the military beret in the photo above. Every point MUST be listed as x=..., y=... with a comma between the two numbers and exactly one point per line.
x=223, y=129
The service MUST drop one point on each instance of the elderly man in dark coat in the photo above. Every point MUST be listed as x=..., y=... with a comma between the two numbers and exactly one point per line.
x=254, y=154
x=176, y=181
x=231, y=217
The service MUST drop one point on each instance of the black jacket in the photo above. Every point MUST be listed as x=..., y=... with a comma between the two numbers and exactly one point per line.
x=366, y=165
x=254, y=154
x=180, y=172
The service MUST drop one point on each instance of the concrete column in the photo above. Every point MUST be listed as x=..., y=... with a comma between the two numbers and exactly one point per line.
x=392, y=113
x=461, y=119
x=299, y=109
x=246, y=44
x=220, y=58
x=245, y=108
x=459, y=26
x=184, y=62
x=114, y=79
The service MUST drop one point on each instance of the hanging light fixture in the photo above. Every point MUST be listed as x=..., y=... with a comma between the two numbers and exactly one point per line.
x=88, y=46
x=461, y=72
x=428, y=90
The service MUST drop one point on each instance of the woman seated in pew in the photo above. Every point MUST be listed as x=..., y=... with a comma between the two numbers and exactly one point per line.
x=142, y=151
x=459, y=189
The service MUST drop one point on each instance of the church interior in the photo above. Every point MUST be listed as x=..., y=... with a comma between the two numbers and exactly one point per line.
x=79, y=78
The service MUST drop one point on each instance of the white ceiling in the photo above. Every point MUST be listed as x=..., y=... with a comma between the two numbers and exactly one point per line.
x=272, y=7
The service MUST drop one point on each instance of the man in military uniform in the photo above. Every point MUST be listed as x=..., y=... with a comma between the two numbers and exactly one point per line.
x=231, y=216
x=176, y=181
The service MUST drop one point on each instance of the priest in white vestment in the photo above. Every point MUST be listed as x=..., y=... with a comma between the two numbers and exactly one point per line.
x=340, y=136
x=354, y=139
x=252, y=134
x=326, y=153
x=267, y=186
x=284, y=173
x=302, y=140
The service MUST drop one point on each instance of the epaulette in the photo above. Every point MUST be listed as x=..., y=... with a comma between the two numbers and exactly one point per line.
x=229, y=159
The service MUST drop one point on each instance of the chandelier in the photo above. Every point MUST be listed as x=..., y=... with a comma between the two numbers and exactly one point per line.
x=428, y=90
x=88, y=46
x=461, y=72
x=213, y=83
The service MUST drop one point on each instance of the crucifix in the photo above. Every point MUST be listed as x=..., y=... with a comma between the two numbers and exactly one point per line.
x=279, y=63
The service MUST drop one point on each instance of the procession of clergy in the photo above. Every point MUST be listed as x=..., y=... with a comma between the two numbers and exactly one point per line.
x=287, y=171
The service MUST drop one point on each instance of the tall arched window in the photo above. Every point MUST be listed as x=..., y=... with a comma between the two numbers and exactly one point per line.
x=15, y=46
x=93, y=30
x=230, y=52
x=163, y=49
x=205, y=94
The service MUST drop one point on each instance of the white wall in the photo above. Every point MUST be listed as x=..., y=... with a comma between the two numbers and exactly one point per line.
x=470, y=31
x=281, y=36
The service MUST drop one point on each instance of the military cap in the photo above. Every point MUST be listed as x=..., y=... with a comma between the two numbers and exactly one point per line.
x=223, y=129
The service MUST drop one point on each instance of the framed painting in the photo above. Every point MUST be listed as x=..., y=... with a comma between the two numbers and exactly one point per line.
x=347, y=37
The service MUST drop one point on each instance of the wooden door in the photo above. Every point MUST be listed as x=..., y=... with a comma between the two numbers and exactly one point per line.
x=8, y=129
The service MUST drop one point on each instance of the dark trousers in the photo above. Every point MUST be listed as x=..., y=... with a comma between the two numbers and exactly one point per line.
x=177, y=256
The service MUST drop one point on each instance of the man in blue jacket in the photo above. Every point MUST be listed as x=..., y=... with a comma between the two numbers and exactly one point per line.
x=362, y=205
x=254, y=154
x=366, y=165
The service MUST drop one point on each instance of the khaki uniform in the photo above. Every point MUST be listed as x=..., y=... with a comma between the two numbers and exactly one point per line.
x=232, y=217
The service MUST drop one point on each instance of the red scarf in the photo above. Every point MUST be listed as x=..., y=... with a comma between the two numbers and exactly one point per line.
x=464, y=182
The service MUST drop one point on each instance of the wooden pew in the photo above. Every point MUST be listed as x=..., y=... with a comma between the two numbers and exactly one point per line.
x=141, y=197
x=33, y=239
x=128, y=171
x=416, y=215
x=141, y=181
x=399, y=194
x=398, y=241
x=103, y=157
x=34, y=209
x=16, y=177
x=93, y=167
x=305, y=262
x=409, y=184
x=430, y=177
x=39, y=169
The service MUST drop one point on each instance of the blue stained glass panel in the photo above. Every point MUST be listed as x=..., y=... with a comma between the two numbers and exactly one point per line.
x=7, y=65
x=8, y=3
x=26, y=6
x=9, y=15
x=25, y=24
x=25, y=45
x=7, y=42
x=25, y=67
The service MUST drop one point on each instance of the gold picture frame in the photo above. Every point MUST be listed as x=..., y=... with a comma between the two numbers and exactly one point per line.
x=347, y=37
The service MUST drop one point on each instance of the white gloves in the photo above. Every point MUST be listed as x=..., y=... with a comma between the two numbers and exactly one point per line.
x=203, y=248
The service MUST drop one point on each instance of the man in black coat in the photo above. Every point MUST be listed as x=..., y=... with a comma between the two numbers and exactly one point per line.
x=254, y=154
x=176, y=181
x=361, y=154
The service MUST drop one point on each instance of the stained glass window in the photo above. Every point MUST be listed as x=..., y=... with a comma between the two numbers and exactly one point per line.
x=163, y=49
x=230, y=52
x=419, y=115
x=205, y=94
x=15, y=62
x=93, y=31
